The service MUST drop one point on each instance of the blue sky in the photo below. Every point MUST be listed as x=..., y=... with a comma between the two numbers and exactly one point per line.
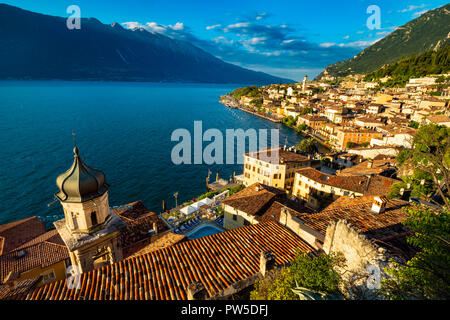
x=283, y=38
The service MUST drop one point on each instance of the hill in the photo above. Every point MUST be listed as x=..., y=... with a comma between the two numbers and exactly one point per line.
x=430, y=62
x=37, y=46
x=430, y=31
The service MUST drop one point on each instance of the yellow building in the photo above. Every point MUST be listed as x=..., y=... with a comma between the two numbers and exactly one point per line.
x=46, y=256
x=356, y=136
x=383, y=98
x=271, y=170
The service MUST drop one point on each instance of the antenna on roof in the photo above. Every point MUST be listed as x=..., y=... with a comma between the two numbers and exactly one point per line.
x=74, y=138
x=51, y=203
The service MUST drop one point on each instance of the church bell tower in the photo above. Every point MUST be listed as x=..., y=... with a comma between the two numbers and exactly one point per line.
x=89, y=229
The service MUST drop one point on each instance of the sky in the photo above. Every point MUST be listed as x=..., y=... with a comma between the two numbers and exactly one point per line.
x=284, y=38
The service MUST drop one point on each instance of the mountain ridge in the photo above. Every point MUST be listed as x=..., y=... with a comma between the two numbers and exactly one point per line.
x=40, y=47
x=429, y=31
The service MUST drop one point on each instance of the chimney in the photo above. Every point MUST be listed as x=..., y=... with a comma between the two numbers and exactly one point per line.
x=266, y=262
x=379, y=204
x=155, y=227
x=370, y=164
x=197, y=291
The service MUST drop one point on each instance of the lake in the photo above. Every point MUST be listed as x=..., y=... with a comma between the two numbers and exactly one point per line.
x=122, y=128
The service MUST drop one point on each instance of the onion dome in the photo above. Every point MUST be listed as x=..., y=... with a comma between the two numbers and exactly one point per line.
x=80, y=183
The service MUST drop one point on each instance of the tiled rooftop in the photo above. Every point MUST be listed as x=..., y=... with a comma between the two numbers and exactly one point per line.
x=42, y=251
x=20, y=288
x=284, y=155
x=357, y=211
x=217, y=261
x=16, y=233
x=374, y=185
x=139, y=220
x=378, y=167
x=254, y=199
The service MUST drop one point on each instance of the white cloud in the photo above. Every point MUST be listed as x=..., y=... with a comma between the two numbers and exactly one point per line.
x=346, y=37
x=419, y=13
x=327, y=44
x=383, y=33
x=154, y=27
x=256, y=40
x=411, y=8
x=177, y=26
x=222, y=39
x=354, y=44
x=238, y=25
x=132, y=25
x=213, y=26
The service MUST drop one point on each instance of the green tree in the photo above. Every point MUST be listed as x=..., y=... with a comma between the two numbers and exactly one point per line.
x=420, y=183
x=289, y=121
x=350, y=145
x=427, y=274
x=364, y=144
x=313, y=273
x=430, y=153
x=308, y=146
x=302, y=127
x=306, y=110
x=414, y=124
x=209, y=195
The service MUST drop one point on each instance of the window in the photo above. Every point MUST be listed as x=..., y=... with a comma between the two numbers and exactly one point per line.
x=75, y=221
x=235, y=217
x=94, y=218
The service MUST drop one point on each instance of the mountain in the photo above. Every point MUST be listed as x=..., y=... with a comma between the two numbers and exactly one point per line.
x=430, y=62
x=37, y=46
x=430, y=31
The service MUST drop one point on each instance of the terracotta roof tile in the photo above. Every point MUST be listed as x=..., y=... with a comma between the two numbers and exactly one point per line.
x=217, y=261
x=16, y=233
x=357, y=211
x=43, y=251
x=372, y=185
x=283, y=155
x=20, y=288
x=139, y=220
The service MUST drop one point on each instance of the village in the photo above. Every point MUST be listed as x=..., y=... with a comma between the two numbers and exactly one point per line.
x=352, y=201
x=350, y=113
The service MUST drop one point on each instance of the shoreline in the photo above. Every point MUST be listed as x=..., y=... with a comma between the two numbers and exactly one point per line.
x=230, y=102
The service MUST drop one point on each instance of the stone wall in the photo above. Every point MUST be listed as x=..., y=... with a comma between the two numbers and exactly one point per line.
x=299, y=228
x=364, y=260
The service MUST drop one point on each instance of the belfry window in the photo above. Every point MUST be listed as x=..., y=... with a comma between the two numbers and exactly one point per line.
x=94, y=218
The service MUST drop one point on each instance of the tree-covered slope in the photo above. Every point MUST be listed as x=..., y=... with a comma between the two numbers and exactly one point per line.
x=430, y=31
x=430, y=62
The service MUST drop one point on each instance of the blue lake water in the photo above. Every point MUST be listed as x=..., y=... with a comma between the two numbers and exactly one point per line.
x=124, y=129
